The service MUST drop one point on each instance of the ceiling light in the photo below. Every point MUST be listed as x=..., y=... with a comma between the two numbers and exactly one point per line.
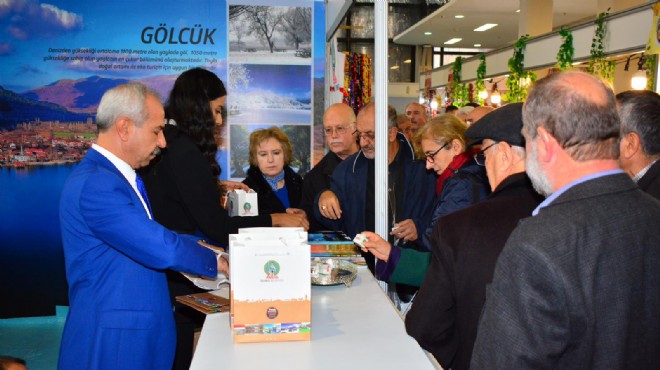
x=485, y=27
x=427, y=33
x=518, y=11
x=407, y=61
x=638, y=81
x=459, y=16
x=394, y=67
x=452, y=41
x=477, y=45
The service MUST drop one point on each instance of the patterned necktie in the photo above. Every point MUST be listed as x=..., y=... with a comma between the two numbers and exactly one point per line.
x=143, y=191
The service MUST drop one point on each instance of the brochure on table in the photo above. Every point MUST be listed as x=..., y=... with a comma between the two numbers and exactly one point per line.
x=270, y=285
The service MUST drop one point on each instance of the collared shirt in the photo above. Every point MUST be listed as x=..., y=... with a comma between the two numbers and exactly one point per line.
x=563, y=189
x=643, y=172
x=125, y=169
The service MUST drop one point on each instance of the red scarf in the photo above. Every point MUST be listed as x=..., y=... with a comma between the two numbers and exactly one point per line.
x=458, y=162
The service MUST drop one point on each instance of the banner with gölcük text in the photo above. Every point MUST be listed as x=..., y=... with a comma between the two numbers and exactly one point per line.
x=59, y=57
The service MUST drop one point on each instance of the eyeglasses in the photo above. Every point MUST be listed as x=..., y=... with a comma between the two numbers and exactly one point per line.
x=480, y=157
x=367, y=135
x=430, y=157
x=340, y=130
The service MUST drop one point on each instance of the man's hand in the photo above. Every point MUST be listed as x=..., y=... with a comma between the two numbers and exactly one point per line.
x=378, y=246
x=329, y=205
x=223, y=263
x=405, y=230
x=293, y=219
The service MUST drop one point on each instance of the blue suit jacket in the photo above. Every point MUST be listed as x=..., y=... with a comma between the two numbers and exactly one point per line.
x=120, y=313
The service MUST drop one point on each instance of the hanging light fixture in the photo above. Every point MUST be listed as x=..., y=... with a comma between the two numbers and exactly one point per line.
x=495, y=97
x=638, y=80
x=483, y=94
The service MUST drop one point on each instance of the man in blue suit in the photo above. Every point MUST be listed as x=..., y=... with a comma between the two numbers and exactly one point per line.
x=120, y=314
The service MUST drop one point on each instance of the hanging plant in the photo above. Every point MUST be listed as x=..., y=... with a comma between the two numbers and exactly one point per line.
x=598, y=64
x=459, y=92
x=649, y=64
x=519, y=79
x=566, y=50
x=479, y=85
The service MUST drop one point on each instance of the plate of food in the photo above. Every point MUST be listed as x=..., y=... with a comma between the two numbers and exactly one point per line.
x=332, y=271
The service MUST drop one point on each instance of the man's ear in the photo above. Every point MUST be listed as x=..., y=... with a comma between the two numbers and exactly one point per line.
x=630, y=145
x=123, y=127
x=546, y=145
x=391, y=134
x=504, y=154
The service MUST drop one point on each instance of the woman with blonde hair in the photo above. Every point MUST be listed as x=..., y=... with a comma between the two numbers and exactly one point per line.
x=278, y=188
x=461, y=182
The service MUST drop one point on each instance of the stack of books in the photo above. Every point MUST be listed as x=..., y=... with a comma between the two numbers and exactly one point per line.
x=334, y=244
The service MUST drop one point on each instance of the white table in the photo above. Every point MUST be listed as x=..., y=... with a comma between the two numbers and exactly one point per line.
x=352, y=328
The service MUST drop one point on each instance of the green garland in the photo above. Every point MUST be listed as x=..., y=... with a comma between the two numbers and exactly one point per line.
x=598, y=64
x=519, y=79
x=649, y=64
x=566, y=50
x=459, y=92
x=479, y=85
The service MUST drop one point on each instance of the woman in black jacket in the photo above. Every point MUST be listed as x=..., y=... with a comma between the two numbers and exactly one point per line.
x=278, y=188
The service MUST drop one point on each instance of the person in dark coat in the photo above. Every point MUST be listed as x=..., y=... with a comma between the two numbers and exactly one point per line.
x=339, y=130
x=349, y=205
x=576, y=285
x=278, y=188
x=461, y=183
x=445, y=314
x=640, y=138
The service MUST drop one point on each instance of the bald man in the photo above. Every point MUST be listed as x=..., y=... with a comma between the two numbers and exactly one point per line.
x=339, y=132
x=476, y=114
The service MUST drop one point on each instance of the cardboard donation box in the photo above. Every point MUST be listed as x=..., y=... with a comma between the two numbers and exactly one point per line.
x=270, y=285
x=243, y=203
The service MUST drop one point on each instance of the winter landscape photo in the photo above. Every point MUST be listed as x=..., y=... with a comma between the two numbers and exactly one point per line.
x=270, y=34
x=270, y=94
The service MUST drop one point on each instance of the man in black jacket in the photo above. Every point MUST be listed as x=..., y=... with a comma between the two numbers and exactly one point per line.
x=339, y=131
x=640, y=138
x=445, y=314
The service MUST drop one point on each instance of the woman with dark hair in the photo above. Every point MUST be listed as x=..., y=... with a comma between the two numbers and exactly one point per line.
x=278, y=188
x=182, y=187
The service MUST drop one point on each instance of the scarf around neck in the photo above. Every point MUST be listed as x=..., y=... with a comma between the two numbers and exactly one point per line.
x=272, y=181
x=458, y=162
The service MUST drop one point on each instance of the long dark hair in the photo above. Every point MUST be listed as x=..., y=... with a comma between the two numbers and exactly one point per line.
x=188, y=105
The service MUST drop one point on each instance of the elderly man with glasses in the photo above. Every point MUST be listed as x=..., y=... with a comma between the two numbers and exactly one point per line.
x=349, y=204
x=339, y=132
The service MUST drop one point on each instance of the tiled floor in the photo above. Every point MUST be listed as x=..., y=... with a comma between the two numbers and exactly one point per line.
x=34, y=339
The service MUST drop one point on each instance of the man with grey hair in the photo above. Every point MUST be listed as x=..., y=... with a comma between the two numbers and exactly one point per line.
x=640, y=138
x=417, y=114
x=120, y=313
x=349, y=203
x=339, y=132
x=576, y=285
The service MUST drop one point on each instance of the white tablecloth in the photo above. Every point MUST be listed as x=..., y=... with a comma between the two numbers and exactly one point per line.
x=352, y=328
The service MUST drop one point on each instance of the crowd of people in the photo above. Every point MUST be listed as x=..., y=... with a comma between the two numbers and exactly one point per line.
x=521, y=237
